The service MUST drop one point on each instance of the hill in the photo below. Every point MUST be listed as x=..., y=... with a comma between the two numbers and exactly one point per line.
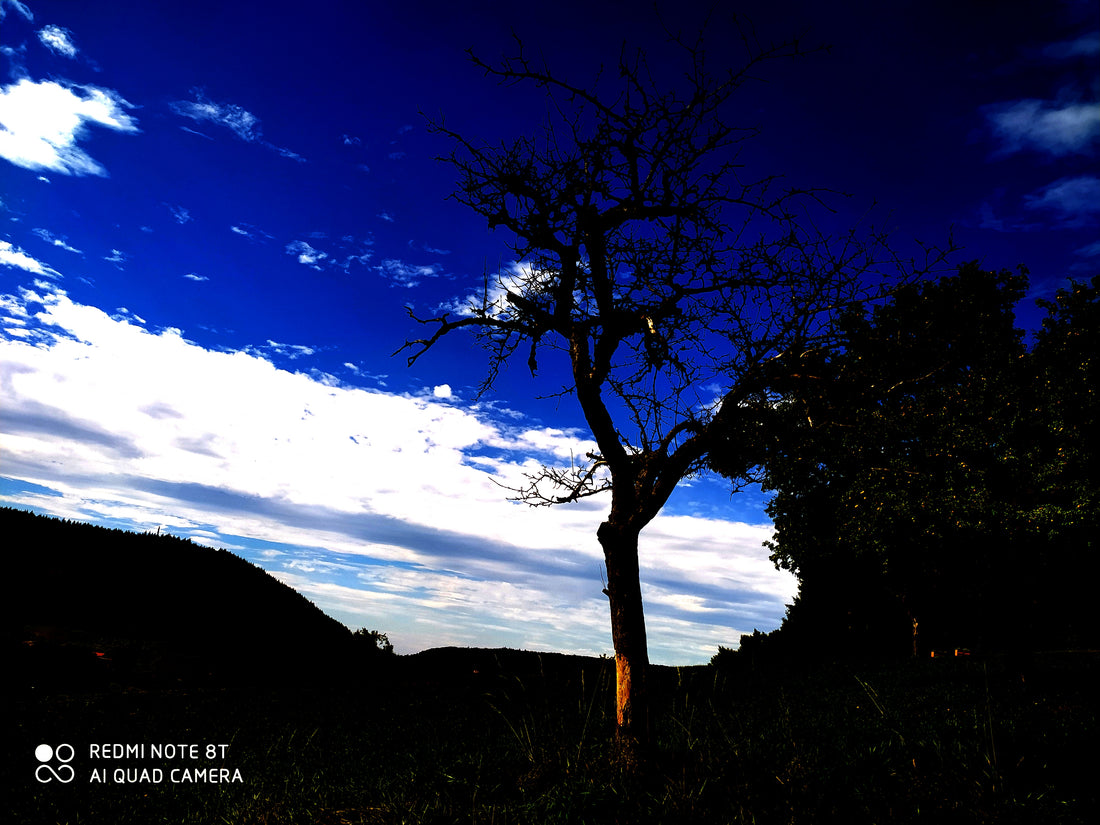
x=87, y=606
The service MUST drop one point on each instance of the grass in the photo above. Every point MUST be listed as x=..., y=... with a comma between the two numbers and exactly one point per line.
x=931, y=741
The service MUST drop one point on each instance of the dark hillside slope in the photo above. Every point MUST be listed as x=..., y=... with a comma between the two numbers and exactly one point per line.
x=86, y=605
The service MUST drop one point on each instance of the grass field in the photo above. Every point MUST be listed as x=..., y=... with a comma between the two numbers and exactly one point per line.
x=1005, y=740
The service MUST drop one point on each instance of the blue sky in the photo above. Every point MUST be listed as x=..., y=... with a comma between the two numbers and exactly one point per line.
x=214, y=215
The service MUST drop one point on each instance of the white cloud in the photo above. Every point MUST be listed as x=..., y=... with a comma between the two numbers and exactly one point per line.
x=15, y=257
x=291, y=351
x=238, y=120
x=286, y=153
x=493, y=298
x=253, y=233
x=442, y=391
x=117, y=257
x=49, y=238
x=306, y=254
x=58, y=40
x=1053, y=128
x=406, y=275
x=361, y=258
x=375, y=492
x=195, y=132
x=191, y=276
x=42, y=123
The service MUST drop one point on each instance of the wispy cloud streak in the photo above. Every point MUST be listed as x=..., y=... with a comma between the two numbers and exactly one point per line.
x=241, y=122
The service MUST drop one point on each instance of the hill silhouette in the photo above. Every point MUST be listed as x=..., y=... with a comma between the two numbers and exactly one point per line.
x=88, y=606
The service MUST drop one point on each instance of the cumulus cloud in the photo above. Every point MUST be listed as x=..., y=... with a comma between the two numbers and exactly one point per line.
x=366, y=501
x=306, y=254
x=57, y=40
x=1051, y=128
x=42, y=123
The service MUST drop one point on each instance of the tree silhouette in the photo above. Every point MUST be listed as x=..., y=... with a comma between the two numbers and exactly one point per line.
x=938, y=477
x=670, y=281
x=373, y=643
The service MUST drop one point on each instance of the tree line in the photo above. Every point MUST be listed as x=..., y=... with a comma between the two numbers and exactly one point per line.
x=933, y=477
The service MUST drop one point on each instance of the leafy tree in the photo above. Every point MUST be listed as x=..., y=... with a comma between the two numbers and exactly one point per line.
x=930, y=453
x=1059, y=511
x=373, y=642
x=664, y=277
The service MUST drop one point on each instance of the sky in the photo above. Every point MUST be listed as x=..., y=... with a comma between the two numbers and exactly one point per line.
x=214, y=218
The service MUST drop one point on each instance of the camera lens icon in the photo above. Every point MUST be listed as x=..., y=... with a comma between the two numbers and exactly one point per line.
x=46, y=772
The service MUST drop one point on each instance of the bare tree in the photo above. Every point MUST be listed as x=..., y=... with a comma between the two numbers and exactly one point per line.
x=675, y=286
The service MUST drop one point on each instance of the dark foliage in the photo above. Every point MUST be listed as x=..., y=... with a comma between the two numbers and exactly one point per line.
x=373, y=644
x=87, y=606
x=935, y=471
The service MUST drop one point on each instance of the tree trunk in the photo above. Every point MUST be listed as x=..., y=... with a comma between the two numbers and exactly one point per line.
x=620, y=549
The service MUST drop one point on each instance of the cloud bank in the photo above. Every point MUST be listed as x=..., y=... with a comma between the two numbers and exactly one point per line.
x=380, y=507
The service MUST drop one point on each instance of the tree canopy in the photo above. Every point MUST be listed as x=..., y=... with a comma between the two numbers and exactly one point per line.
x=936, y=471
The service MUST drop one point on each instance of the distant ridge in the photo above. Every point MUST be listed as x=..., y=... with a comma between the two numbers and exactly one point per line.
x=88, y=606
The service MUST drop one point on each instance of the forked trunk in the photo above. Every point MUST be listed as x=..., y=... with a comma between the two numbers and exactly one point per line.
x=620, y=549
